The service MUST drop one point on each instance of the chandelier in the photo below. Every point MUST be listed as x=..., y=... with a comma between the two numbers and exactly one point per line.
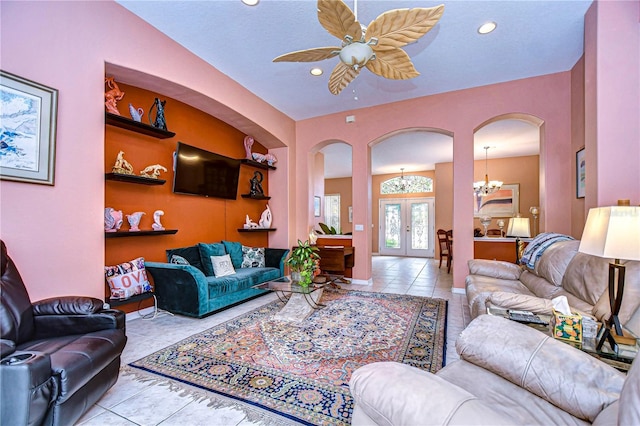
x=485, y=187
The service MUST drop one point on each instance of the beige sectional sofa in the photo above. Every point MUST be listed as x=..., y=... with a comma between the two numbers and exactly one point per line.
x=507, y=374
x=560, y=271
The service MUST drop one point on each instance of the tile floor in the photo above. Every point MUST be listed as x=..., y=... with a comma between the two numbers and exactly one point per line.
x=134, y=402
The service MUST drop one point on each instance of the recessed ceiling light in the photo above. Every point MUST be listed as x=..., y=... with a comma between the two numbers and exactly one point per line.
x=487, y=28
x=250, y=2
x=316, y=71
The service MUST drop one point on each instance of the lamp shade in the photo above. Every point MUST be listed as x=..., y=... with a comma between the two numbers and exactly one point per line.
x=518, y=227
x=612, y=232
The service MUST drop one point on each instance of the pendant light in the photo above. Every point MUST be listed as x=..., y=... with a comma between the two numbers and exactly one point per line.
x=485, y=187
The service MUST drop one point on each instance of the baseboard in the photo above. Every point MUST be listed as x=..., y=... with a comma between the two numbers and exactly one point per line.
x=458, y=290
x=362, y=282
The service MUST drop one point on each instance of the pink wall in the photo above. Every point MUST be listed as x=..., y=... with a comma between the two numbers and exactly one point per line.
x=55, y=234
x=461, y=112
x=612, y=102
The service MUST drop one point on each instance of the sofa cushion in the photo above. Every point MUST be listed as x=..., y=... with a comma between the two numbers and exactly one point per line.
x=629, y=412
x=243, y=278
x=545, y=367
x=207, y=250
x=191, y=254
x=586, y=277
x=494, y=268
x=521, y=302
x=253, y=257
x=222, y=266
x=555, y=259
x=539, y=286
x=234, y=250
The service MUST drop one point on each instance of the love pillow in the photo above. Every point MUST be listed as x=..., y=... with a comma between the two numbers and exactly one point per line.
x=127, y=279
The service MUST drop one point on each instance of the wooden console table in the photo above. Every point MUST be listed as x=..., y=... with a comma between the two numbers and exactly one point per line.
x=337, y=259
x=496, y=248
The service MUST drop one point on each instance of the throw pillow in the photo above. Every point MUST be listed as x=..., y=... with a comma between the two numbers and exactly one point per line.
x=127, y=279
x=191, y=254
x=234, y=250
x=179, y=260
x=253, y=257
x=222, y=265
x=206, y=251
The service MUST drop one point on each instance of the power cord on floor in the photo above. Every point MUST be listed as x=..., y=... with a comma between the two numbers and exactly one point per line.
x=156, y=311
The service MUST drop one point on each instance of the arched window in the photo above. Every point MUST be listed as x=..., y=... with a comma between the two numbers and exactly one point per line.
x=406, y=185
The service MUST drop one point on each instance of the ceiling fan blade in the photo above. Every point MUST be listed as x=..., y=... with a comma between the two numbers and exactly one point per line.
x=393, y=64
x=309, y=55
x=338, y=19
x=341, y=76
x=399, y=27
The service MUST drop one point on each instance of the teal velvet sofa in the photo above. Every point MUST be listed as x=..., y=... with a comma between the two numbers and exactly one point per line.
x=186, y=284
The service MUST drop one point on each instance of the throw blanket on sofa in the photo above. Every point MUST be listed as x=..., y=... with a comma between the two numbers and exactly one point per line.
x=538, y=245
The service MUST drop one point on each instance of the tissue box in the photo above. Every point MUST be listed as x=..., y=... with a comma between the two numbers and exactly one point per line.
x=567, y=327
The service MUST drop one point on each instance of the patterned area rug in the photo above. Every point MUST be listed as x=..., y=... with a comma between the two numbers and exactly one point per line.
x=301, y=371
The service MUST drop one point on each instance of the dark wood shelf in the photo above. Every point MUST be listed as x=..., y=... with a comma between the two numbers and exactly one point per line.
x=255, y=197
x=136, y=126
x=121, y=234
x=256, y=229
x=256, y=164
x=119, y=177
x=137, y=298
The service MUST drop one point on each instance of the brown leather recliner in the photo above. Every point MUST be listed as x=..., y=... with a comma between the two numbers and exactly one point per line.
x=58, y=356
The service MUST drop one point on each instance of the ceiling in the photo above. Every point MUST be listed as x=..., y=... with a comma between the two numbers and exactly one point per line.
x=532, y=38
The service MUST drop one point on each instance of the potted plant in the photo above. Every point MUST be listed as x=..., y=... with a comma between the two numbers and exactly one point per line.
x=302, y=260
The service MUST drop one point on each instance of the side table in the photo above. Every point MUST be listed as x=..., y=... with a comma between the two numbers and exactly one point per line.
x=620, y=361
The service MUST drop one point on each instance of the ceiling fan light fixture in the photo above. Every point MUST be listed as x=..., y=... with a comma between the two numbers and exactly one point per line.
x=316, y=71
x=250, y=2
x=487, y=27
x=356, y=54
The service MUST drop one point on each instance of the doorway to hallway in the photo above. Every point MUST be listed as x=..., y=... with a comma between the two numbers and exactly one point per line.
x=407, y=227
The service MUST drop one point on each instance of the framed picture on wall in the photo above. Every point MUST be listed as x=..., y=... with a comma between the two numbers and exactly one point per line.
x=580, y=174
x=316, y=206
x=503, y=203
x=28, y=126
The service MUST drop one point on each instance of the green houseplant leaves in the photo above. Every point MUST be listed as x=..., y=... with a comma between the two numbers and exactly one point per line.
x=303, y=259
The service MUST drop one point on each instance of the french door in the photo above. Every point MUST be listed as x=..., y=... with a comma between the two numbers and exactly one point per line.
x=407, y=227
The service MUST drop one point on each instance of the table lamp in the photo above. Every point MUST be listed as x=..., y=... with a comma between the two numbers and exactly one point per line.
x=518, y=227
x=613, y=232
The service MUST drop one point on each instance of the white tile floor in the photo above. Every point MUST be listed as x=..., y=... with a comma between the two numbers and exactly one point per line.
x=134, y=402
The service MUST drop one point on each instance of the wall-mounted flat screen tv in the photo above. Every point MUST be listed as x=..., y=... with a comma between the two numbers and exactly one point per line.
x=200, y=172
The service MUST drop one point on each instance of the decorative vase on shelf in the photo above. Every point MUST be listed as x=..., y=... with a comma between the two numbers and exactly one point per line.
x=157, y=226
x=265, y=218
x=112, y=219
x=136, y=113
x=134, y=221
x=248, y=143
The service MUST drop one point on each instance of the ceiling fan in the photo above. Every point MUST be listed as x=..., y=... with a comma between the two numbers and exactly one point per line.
x=376, y=47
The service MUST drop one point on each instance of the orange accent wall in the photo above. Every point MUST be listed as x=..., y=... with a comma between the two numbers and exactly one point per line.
x=197, y=219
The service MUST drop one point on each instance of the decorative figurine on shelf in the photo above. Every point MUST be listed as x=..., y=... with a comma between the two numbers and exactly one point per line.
x=249, y=224
x=248, y=143
x=112, y=96
x=157, y=226
x=265, y=218
x=122, y=166
x=134, y=221
x=153, y=172
x=256, y=184
x=136, y=113
x=159, y=121
x=271, y=159
x=112, y=219
x=258, y=157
